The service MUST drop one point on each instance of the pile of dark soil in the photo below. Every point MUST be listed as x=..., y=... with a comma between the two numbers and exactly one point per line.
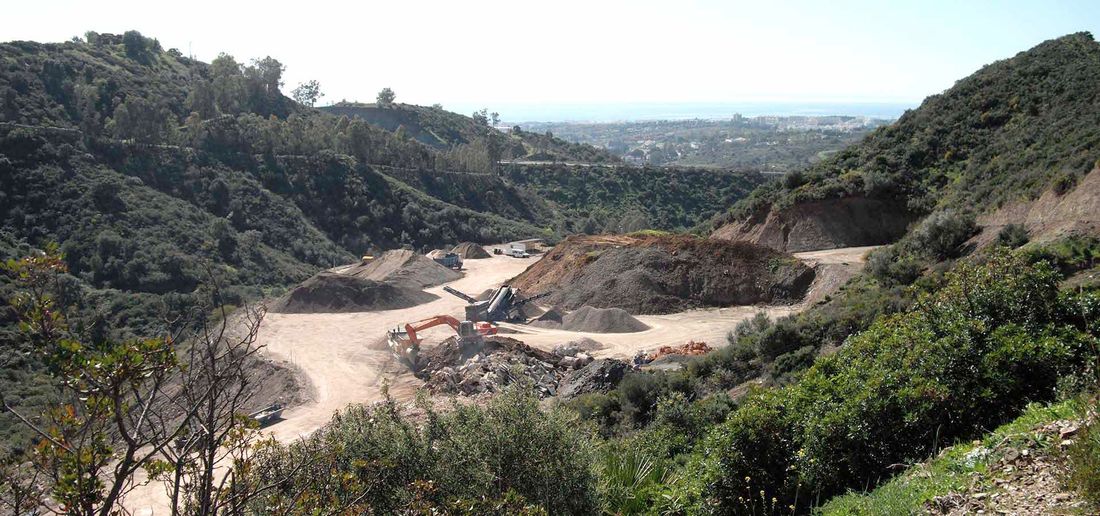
x=663, y=274
x=329, y=292
x=601, y=320
x=404, y=268
x=471, y=251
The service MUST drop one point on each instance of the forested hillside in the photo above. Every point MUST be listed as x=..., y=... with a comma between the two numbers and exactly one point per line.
x=463, y=135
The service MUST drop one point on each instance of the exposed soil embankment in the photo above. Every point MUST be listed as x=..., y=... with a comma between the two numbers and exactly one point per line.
x=1052, y=215
x=329, y=292
x=663, y=274
x=829, y=224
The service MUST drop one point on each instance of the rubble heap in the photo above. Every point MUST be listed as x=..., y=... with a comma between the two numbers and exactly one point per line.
x=499, y=362
x=690, y=348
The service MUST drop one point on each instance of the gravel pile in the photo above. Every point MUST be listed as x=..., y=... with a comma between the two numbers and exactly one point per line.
x=598, y=376
x=471, y=251
x=404, y=268
x=328, y=292
x=667, y=274
x=601, y=320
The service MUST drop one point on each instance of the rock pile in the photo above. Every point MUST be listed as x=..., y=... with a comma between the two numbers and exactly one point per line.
x=504, y=361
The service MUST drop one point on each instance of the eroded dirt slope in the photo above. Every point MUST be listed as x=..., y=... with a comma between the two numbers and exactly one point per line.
x=663, y=274
x=828, y=224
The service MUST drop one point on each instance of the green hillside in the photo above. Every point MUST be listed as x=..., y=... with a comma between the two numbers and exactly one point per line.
x=1007, y=132
x=445, y=130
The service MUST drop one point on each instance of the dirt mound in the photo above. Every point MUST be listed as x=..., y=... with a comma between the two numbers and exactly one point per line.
x=405, y=268
x=471, y=251
x=329, y=292
x=582, y=347
x=663, y=274
x=601, y=320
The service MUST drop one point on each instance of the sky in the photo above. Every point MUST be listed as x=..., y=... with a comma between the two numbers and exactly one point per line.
x=510, y=53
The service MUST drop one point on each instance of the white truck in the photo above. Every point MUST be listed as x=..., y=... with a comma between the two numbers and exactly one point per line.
x=518, y=250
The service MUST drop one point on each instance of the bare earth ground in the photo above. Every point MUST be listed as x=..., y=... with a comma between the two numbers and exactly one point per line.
x=344, y=357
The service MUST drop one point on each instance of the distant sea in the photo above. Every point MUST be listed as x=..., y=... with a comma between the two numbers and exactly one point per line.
x=620, y=112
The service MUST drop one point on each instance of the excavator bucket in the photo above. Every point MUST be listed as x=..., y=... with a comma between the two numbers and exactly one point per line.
x=403, y=348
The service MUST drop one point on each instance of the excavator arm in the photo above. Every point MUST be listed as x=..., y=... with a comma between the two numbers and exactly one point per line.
x=405, y=343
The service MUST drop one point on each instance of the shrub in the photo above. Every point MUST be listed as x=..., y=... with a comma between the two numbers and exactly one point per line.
x=1012, y=236
x=967, y=356
x=941, y=234
x=374, y=458
x=1084, y=463
x=891, y=269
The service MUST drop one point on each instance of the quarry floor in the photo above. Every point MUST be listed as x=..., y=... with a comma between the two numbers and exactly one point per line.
x=345, y=358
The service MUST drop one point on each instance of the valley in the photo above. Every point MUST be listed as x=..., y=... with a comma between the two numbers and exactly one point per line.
x=219, y=297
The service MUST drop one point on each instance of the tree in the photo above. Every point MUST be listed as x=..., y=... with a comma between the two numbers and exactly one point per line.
x=138, y=47
x=172, y=405
x=495, y=118
x=481, y=116
x=268, y=72
x=386, y=97
x=139, y=120
x=307, y=93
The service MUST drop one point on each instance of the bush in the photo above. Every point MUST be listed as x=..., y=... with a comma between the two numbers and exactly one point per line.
x=941, y=234
x=967, y=356
x=1084, y=463
x=372, y=459
x=891, y=269
x=1012, y=236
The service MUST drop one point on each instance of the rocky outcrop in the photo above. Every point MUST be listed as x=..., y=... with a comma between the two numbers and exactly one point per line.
x=827, y=224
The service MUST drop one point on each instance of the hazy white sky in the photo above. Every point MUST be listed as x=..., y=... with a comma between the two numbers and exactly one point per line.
x=470, y=52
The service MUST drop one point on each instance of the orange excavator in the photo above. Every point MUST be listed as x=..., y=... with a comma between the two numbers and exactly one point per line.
x=405, y=344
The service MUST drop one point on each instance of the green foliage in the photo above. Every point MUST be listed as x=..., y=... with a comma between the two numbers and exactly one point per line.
x=1084, y=463
x=967, y=356
x=625, y=199
x=952, y=471
x=386, y=97
x=1012, y=236
x=307, y=93
x=941, y=234
x=378, y=459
